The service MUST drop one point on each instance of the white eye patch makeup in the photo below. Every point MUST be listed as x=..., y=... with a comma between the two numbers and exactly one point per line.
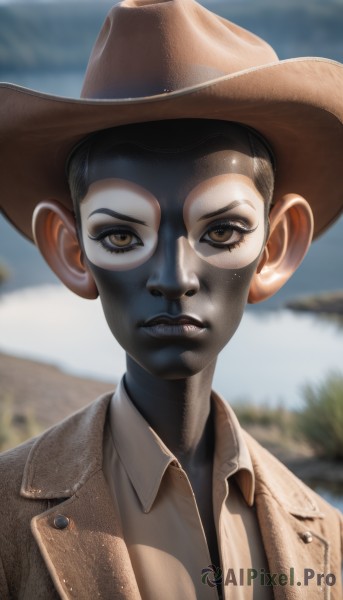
x=224, y=217
x=120, y=222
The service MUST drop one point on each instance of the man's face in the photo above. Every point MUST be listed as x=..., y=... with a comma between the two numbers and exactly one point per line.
x=173, y=240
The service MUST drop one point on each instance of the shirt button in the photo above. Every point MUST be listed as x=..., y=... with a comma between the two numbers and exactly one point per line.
x=61, y=522
x=307, y=537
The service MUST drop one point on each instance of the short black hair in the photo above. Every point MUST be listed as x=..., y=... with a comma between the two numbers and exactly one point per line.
x=154, y=135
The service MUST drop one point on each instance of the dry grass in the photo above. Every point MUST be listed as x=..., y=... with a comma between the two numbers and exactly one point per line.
x=34, y=396
x=15, y=427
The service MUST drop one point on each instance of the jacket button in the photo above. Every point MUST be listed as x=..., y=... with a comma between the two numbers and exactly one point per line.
x=307, y=537
x=61, y=522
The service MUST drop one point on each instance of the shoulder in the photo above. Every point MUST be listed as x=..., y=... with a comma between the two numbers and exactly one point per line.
x=12, y=465
x=275, y=479
x=38, y=475
x=65, y=439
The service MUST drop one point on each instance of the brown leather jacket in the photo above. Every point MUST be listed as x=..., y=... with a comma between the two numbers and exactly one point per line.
x=60, y=534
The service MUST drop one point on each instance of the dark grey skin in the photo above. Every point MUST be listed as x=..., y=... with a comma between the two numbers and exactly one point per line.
x=170, y=380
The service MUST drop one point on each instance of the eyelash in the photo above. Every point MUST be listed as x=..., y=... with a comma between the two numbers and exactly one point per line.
x=226, y=224
x=101, y=237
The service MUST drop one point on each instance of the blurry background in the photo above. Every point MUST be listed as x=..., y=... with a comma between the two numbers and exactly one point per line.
x=45, y=45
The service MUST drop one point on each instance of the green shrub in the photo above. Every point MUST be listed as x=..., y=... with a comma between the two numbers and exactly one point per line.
x=321, y=419
x=3, y=273
x=250, y=414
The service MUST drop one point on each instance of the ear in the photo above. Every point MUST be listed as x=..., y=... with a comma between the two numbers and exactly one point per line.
x=54, y=230
x=291, y=230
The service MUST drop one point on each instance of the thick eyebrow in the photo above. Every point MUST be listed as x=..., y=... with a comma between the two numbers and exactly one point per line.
x=113, y=213
x=226, y=208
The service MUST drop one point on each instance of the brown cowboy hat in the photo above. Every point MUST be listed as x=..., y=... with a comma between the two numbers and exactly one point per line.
x=172, y=59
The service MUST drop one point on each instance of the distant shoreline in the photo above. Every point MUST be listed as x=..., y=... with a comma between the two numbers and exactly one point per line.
x=330, y=303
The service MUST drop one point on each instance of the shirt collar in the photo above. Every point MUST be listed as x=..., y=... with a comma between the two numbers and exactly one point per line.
x=146, y=458
x=142, y=452
x=232, y=456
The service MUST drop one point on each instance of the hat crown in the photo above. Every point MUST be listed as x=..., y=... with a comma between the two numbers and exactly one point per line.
x=149, y=47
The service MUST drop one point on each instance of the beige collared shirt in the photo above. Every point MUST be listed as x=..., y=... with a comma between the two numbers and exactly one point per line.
x=160, y=518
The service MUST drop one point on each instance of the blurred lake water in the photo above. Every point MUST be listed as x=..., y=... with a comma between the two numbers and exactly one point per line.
x=270, y=357
x=65, y=83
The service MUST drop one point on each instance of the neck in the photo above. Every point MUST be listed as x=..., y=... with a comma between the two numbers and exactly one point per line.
x=178, y=410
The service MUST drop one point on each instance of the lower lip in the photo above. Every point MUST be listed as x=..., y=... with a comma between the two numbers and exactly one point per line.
x=173, y=331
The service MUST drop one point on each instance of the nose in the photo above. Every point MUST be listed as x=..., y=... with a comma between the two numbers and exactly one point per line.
x=174, y=275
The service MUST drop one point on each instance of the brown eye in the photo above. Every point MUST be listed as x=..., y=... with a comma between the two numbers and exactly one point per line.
x=221, y=234
x=120, y=239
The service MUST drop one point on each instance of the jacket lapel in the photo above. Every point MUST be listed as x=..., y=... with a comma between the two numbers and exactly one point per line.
x=290, y=526
x=86, y=557
x=80, y=539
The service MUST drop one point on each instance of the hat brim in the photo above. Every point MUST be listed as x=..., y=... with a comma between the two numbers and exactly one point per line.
x=295, y=104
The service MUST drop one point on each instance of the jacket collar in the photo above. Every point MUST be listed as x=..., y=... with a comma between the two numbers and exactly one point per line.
x=79, y=439
x=64, y=457
x=274, y=479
